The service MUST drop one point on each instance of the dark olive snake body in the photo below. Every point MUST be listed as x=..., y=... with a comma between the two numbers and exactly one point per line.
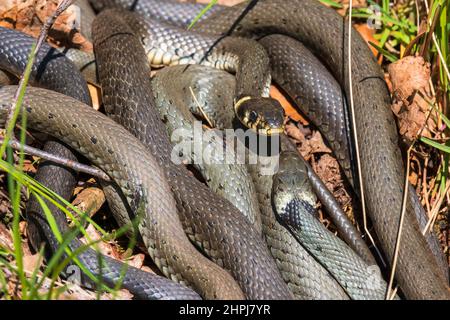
x=329, y=96
x=168, y=50
x=320, y=97
x=356, y=276
x=211, y=90
x=418, y=273
x=217, y=162
x=219, y=229
x=294, y=202
x=323, y=32
x=228, y=292
x=51, y=70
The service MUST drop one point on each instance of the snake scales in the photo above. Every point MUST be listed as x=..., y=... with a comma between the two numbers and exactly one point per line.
x=430, y=285
x=324, y=32
x=218, y=229
x=350, y=270
x=50, y=71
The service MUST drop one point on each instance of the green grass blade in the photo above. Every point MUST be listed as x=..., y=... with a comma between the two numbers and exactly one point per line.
x=204, y=10
x=387, y=54
x=332, y=4
x=435, y=144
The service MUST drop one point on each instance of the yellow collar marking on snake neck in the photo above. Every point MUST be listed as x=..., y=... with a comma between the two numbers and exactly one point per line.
x=240, y=102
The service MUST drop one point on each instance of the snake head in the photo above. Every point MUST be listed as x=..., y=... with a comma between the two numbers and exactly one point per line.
x=291, y=186
x=263, y=115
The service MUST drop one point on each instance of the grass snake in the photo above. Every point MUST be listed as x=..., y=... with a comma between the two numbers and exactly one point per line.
x=325, y=33
x=50, y=70
x=303, y=20
x=211, y=222
x=351, y=271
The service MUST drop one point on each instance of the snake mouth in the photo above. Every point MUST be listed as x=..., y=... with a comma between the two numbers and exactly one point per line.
x=270, y=131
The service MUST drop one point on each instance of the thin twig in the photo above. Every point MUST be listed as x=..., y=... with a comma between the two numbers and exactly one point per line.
x=16, y=145
x=200, y=107
x=436, y=44
x=389, y=294
x=355, y=132
x=436, y=209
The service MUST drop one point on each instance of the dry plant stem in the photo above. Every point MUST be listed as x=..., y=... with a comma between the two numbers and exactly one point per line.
x=433, y=213
x=389, y=293
x=417, y=15
x=432, y=25
x=436, y=44
x=435, y=210
x=355, y=133
x=426, y=192
x=16, y=145
x=200, y=107
x=43, y=34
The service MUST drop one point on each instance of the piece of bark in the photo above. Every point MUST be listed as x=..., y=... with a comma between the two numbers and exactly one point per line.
x=89, y=200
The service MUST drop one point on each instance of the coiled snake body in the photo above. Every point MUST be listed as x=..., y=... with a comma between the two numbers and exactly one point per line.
x=51, y=70
x=226, y=238
x=219, y=229
x=325, y=33
x=291, y=189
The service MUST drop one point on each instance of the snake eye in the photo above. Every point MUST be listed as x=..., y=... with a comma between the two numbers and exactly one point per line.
x=253, y=116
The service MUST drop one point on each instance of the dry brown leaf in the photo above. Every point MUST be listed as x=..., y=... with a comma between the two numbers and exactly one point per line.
x=328, y=169
x=409, y=76
x=368, y=35
x=112, y=251
x=29, y=15
x=103, y=247
x=289, y=109
x=29, y=167
x=413, y=178
x=294, y=132
x=136, y=261
x=313, y=146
